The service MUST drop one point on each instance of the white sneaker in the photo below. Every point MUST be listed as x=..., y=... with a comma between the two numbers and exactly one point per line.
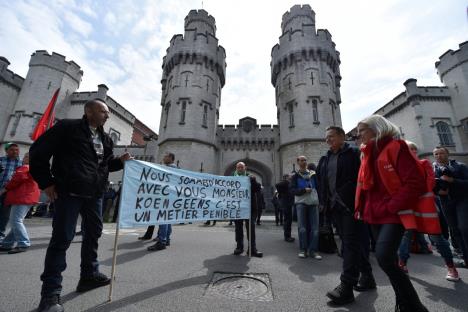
x=302, y=254
x=316, y=256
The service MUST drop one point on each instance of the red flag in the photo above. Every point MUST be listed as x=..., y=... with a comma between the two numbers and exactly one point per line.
x=47, y=120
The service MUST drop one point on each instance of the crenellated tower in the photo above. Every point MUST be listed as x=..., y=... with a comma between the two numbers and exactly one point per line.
x=452, y=68
x=47, y=72
x=194, y=71
x=306, y=76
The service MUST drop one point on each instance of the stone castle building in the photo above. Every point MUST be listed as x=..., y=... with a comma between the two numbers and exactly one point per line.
x=24, y=100
x=306, y=77
x=433, y=116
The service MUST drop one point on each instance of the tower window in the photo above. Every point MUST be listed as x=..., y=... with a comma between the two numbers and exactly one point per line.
x=205, y=116
x=166, y=113
x=315, y=113
x=332, y=104
x=291, y=114
x=15, y=124
x=183, y=109
x=444, y=133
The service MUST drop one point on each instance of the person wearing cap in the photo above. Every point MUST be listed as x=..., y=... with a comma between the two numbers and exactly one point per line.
x=8, y=164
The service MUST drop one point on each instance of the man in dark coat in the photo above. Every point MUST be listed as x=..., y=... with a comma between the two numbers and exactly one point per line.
x=82, y=158
x=286, y=199
x=337, y=173
x=255, y=187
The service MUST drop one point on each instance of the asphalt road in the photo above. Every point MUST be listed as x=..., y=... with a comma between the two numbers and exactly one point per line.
x=179, y=278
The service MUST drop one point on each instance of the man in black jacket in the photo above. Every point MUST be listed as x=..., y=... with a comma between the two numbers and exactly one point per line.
x=451, y=186
x=286, y=199
x=82, y=158
x=337, y=173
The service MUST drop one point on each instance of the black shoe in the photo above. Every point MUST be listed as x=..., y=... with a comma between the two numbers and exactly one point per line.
x=259, y=223
x=18, y=250
x=418, y=307
x=366, y=282
x=157, y=246
x=289, y=239
x=5, y=248
x=207, y=223
x=79, y=233
x=342, y=294
x=144, y=237
x=50, y=304
x=238, y=251
x=168, y=243
x=88, y=283
x=256, y=253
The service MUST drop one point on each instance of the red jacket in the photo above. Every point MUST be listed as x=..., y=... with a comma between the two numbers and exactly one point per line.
x=376, y=205
x=22, y=189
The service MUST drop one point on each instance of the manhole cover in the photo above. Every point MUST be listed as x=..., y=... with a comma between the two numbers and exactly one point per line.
x=244, y=286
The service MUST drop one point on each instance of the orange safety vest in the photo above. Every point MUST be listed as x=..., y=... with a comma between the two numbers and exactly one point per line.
x=424, y=217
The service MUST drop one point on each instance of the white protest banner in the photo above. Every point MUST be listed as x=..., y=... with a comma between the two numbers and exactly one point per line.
x=157, y=194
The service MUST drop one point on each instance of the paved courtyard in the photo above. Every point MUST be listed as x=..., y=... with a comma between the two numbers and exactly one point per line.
x=195, y=274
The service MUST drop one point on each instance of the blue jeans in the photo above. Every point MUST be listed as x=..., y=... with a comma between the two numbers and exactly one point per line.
x=308, y=227
x=4, y=216
x=66, y=213
x=405, y=245
x=164, y=233
x=18, y=233
x=439, y=241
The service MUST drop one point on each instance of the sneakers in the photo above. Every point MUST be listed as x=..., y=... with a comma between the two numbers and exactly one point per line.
x=342, y=294
x=158, y=246
x=302, y=254
x=88, y=283
x=5, y=248
x=366, y=282
x=403, y=266
x=316, y=256
x=452, y=274
x=50, y=304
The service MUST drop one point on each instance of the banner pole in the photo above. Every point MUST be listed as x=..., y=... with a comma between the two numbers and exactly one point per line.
x=114, y=260
x=117, y=228
x=250, y=227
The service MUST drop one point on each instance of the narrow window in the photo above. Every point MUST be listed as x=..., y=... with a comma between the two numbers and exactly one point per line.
x=166, y=114
x=315, y=113
x=15, y=124
x=444, y=133
x=183, y=109
x=205, y=116
x=333, y=112
x=291, y=115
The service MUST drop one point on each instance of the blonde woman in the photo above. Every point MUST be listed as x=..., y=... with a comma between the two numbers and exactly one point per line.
x=389, y=182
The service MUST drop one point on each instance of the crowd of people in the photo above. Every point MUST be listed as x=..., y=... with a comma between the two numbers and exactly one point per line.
x=378, y=197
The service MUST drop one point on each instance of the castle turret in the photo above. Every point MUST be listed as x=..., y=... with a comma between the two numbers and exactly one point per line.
x=306, y=76
x=452, y=68
x=194, y=71
x=47, y=72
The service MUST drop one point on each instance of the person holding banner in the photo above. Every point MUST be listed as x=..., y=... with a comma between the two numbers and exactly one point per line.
x=165, y=230
x=255, y=187
x=82, y=158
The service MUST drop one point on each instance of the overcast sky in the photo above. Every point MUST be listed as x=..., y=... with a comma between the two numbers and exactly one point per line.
x=121, y=43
